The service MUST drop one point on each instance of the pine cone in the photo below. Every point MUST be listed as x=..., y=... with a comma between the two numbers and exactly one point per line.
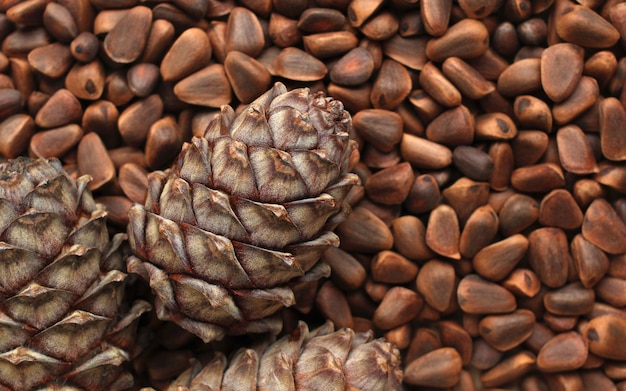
x=319, y=360
x=244, y=213
x=60, y=295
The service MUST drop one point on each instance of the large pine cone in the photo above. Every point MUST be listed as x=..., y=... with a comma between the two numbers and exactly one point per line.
x=320, y=360
x=60, y=292
x=244, y=212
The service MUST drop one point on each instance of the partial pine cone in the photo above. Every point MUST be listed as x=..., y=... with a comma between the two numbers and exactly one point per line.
x=320, y=360
x=63, y=322
x=242, y=217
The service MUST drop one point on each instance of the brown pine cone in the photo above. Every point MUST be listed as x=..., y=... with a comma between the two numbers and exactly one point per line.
x=61, y=297
x=244, y=213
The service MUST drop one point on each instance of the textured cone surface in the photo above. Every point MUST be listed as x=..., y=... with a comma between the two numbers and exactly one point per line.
x=244, y=213
x=60, y=298
x=321, y=359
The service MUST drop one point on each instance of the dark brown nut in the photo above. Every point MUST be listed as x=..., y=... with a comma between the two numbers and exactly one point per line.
x=317, y=20
x=606, y=336
x=583, y=26
x=601, y=65
x=438, y=368
x=133, y=180
x=244, y=32
x=532, y=32
x=478, y=9
x=612, y=118
x=612, y=290
x=61, y=109
x=381, y=128
x=390, y=186
x=55, y=142
x=533, y=113
x=163, y=142
x=15, y=133
x=604, y=228
x=101, y=117
x=503, y=164
x=347, y=271
x=330, y=44
x=472, y=162
x=559, y=209
x=484, y=356
x=127, y=39
x=540, y=335
x=207, y=87
x=248, y=77
x=424, y=340
x=354, y=99
x=611, y=175
x=561, y=69
x=94, y=160
x=466, y=39
x=116, y=89
x=425, y=106
x=59, y=22
x=360, y=10
x=391, y=86
x=591, y=262
x=548, y=255
x=135, y=121
x=479, y=230
x=521, y=77
x=53, y=60
x=117, y=209
x=399, y=336
x=399, y=306
x=596, y=380
x=523, y=282
x=518, y=213
x=84, y=47
x=505, y=332
x=381, y=26
x=143, y=79
x=424, y=194
x=509, y=370
x=436, y=283
x=375, y=291
x=538, y=178
x=453, y=335
x=333, y=304
x=424, y=154
x=284, y=31
x=189, y=53
x=571, y=300
x=467, y=79
x=21, y=41
x=86, y=81
x=529, y=146
x=159, y=40
x=409, y=238
x=564, y=352
x=465, y=195
x=392, y=268
x=495, y=126
x=438, y=86
x=481, y=297
x=375, y=158
x=353, y=69
x=504, y=39
x=408, y=51
x=575, y=152
x=442, y=232
x=582, y=98
x=435, y=16
x=490, y=64
x=296, y=64
x=364, y=232
x=495, y=261
x=452, y=127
